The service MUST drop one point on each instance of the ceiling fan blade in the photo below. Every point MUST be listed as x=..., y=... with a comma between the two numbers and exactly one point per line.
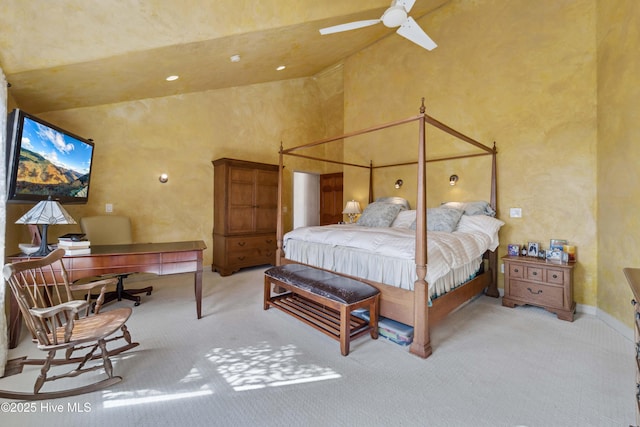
x=348, y=26
x=407, y=4
x=412, y=31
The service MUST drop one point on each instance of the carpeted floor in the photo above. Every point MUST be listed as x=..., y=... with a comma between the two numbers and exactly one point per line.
x=242, y=366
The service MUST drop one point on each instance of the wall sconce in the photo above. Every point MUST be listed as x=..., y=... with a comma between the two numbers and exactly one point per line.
x=163, y=178
x=351, y=209
x=399, y=183
x=453, y=179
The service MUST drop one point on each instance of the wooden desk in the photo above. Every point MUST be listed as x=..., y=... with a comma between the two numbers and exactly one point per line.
x=158, y=258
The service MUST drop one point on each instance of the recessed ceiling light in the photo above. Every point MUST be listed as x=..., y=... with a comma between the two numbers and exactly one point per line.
x=172, y=78
x=235, y=58
x=282, y=67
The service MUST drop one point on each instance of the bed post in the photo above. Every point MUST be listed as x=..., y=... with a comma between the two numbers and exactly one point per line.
x=370, y=181
x=279, y=230
x=421, y=345
x=492, y=289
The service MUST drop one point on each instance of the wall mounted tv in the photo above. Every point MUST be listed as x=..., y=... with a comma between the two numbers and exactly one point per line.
x=44, y=160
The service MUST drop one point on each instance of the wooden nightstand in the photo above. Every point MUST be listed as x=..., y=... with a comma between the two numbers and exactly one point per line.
x=547, y=284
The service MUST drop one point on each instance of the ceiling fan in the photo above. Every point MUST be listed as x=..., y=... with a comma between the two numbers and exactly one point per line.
x=395, y=16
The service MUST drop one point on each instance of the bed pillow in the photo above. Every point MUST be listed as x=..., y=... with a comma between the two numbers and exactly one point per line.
x=472, y=208
x=379, y=214
x=442, y=219
x=404, y=219
x=483, y=224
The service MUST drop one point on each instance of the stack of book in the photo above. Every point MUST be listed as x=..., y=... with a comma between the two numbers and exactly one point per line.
x=74, y=244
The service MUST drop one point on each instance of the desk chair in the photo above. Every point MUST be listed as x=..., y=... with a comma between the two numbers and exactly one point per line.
x=113, y=230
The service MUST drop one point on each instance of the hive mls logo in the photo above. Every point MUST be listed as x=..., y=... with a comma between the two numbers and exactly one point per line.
x=77, y=407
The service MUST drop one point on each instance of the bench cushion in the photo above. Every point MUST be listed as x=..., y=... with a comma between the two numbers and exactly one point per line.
x=323, y=283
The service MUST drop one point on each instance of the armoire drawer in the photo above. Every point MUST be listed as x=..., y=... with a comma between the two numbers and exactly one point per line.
x=235, y=243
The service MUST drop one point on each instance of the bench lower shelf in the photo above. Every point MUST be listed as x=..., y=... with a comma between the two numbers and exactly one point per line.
x=323, y=318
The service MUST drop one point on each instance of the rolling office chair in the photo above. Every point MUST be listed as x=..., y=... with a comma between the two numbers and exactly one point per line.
x=113, y=230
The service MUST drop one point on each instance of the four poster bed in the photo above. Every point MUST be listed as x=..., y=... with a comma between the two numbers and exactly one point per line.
x=393, y=257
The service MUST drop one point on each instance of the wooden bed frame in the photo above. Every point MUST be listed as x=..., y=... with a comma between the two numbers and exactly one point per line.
x=411, y=307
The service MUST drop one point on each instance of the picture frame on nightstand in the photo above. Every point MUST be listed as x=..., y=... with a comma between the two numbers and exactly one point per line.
x=532, y=249
x=557, y=244
x=513, y=249
x=554, y=255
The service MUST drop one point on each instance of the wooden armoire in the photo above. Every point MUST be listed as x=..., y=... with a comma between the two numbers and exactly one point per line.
x=245, y=197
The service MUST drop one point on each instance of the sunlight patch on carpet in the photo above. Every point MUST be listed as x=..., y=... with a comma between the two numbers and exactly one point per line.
x=149, y=396
x=261, y=366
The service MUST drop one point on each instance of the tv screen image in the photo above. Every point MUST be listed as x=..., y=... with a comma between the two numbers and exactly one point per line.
x=45, y=160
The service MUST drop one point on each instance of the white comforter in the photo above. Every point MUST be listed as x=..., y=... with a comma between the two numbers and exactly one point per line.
x=446, y=252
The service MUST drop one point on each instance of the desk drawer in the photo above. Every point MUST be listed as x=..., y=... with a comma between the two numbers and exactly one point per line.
x=113, y=261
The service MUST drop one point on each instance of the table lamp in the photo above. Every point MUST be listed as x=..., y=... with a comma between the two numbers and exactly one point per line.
x=351, y=209
x=45, y=213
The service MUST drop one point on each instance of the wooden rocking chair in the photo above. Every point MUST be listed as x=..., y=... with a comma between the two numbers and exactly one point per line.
x=59, y=321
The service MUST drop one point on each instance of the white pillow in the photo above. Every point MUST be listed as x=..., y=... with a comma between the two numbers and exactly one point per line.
x=483, y=224
x=472, y=208
x=404, y=219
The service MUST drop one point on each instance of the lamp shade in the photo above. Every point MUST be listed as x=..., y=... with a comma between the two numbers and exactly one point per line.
x=352, y=207
x=47, y=212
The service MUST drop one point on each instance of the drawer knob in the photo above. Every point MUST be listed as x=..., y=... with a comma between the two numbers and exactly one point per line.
x=241, y=258
x=516, y=270
x=269, y=241
x=535, y=293
x=555, y=276
x=535, y=273
x=242, y=243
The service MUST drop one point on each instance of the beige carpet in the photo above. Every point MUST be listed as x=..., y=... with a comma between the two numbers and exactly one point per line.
x=242, y=366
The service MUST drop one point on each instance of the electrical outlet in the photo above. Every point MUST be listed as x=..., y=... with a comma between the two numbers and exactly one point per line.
x=108, y=208
x=515, y=212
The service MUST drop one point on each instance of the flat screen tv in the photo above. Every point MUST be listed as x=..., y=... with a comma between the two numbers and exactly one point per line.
x=44, y=160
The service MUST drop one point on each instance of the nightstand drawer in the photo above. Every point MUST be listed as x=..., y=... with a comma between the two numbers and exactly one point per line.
x=534, y=273
x=537, y=294
x=555, y=276
x=516, y=270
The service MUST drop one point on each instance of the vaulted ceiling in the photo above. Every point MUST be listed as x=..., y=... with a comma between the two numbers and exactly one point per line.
x=77, y=53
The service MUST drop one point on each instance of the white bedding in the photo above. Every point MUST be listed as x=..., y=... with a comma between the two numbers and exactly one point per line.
x=387, y=254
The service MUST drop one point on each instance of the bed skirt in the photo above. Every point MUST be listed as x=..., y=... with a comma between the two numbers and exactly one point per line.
x=396, y=272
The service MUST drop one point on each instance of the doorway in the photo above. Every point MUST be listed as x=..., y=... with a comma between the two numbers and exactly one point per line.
x=317, y=199
x=306, y=199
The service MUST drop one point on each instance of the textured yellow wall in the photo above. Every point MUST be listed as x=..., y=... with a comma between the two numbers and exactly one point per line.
x=137, y=141
x=523, y=74
x=519, y=73
x=618, y=153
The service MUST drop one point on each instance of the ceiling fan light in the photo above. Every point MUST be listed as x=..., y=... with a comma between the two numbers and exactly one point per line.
x=394, y=16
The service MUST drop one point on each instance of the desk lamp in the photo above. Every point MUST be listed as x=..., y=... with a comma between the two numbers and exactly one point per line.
x=46, y=212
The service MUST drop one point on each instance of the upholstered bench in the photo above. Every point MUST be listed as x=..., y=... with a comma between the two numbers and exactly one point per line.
x=324, y=300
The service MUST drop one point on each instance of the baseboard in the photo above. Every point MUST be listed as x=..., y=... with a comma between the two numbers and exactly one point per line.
x=615, y=324
x=608, y=319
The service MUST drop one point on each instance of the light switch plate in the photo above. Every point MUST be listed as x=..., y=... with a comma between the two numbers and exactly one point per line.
x=515, y=212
